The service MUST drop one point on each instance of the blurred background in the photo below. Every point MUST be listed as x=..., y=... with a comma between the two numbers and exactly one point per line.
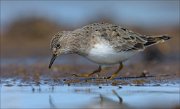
x=28, y=26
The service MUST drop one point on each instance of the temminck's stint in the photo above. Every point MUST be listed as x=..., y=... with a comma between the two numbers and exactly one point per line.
x=102, y=43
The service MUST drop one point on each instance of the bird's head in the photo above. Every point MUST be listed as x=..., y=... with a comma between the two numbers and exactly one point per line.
x=58, y=47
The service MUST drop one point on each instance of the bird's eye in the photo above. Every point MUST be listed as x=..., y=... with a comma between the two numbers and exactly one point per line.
x=58, y=45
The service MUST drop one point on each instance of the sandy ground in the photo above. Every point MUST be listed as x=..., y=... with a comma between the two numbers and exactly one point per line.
x=137, y=73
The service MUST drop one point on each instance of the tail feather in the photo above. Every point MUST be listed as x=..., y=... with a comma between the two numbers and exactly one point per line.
x=151, y=40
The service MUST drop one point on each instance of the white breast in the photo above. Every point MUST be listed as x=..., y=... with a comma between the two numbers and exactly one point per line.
x=105, y=54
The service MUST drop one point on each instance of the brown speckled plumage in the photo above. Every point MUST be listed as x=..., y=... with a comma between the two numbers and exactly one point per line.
x=82, y=39
x=102, y=43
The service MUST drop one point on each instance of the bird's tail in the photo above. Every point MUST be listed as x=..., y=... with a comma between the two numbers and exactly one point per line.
x=151, y=40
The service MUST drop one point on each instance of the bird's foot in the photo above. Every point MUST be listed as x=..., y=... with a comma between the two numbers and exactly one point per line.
x=111, y=77
x=88, y=74
x=116, y=73
x=82, y=75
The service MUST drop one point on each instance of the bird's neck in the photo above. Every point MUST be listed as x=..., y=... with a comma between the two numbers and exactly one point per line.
x=78, y=46
x=72, y=44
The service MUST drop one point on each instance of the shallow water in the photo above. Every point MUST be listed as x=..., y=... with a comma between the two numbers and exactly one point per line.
x=83, y=94
x=88, y=96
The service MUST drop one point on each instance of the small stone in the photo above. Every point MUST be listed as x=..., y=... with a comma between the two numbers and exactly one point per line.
x=144, y=73
x=68, y=84
x=119, y=87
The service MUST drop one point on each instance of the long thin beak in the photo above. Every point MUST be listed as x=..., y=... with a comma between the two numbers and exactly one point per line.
x=52, y=60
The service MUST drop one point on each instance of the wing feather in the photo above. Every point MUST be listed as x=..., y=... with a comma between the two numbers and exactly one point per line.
x=120, y=38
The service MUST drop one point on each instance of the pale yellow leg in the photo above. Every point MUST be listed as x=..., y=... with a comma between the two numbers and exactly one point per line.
x=116, y=73
x=88, y=74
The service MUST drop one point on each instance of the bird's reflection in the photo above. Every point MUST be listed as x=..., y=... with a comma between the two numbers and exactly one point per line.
x=108, y=103
x=100, y=102
x=51, y=103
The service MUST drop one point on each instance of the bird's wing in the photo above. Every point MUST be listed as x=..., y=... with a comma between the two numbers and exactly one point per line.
x=120, y=38
x=129, y=42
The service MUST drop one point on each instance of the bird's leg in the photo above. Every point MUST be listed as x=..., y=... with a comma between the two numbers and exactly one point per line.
x=88, y=74
x=116, y=73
